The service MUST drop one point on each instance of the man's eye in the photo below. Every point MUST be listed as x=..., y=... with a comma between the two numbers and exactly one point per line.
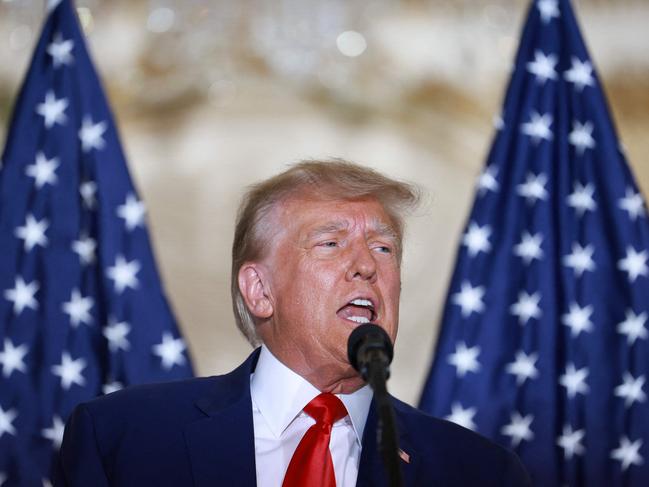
x=384, y=249
x=329, y=243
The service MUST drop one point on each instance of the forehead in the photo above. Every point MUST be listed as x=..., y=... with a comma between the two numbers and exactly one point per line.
x=307, y=215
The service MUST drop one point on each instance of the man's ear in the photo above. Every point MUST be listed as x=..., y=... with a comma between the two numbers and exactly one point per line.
x=254, y=290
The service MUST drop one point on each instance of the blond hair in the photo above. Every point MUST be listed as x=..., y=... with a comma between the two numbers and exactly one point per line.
x=334, y=179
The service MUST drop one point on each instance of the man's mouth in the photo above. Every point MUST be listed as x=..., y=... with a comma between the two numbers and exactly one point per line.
x=359, y=310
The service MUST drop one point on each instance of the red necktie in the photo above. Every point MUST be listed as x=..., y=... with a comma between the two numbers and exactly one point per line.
x=311, y=465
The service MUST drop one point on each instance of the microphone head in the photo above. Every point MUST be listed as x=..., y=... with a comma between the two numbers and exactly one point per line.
x=368, y=337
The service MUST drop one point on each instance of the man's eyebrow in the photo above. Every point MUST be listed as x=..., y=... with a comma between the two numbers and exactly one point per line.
x=380, y=228
x=386, y=230
x=329, y=227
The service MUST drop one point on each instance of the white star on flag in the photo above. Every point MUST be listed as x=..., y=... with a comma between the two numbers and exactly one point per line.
x=578, y=319
x=43, y=170
x=529, y=247
x=91, y=134
x=527, y=307
x=33, y=232
x=634, y=264
x=582, y=136
x=631, y=389
x=533, y=188
x=580, y=74
x=12, y=358
x=476, y=239
x=632, y=203
x=61, y=51
x=170, y=351
x=22, y=295
x=580, y=260
x=548, y=9
x=78, y=308
x=570, y=441
x=123, y=274
x=70, y=371
x=538, y=128
x=487, y=180
x=523, y=367
x=112, y=387
x=633, y=326
x=116, y=334
x=85, y=248
x=55, y=432
x=6, y=420
x=581, y=199
x=461, y=416
x=52, y=110
x=518, y=428
x=88, y=190
x=464, y=359
x=132, y=211
x=628, y=453
x=574, y=380
x=469, y=299
x=543, y=67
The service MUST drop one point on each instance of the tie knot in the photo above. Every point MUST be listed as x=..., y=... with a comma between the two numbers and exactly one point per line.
x=326, y=408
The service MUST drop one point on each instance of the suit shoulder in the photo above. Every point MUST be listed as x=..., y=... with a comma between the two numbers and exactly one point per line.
x=165, y=401
x=152, y=394
x=460, y=448
x=175, y=400
x=427, y=424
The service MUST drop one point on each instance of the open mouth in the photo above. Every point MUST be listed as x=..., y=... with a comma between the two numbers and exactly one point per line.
x=359, y=310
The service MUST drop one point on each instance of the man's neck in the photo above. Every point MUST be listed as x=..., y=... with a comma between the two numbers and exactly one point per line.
x=282, y=393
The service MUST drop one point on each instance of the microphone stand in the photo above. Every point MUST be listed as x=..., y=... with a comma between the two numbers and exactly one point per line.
x=377, y=374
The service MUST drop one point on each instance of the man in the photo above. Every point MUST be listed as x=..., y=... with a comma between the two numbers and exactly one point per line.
x=317, y=250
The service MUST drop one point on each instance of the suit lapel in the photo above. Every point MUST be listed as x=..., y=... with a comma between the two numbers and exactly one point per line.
x=371, y=472
x=221, y=445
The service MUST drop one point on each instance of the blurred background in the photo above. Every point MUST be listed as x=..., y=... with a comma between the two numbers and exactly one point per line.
x=211, y=96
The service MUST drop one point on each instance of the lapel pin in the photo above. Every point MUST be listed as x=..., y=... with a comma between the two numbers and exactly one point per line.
x=404, y=456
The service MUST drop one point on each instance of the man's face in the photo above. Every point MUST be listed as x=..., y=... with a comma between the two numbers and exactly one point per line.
x=331, y=266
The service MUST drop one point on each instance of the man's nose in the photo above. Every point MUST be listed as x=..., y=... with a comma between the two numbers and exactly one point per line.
x=362, y=264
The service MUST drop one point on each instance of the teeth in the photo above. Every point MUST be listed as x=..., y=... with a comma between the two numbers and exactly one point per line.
x=359, y=319
x=362, y=302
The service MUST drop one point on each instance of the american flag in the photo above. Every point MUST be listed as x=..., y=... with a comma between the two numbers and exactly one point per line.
x=544, y=345
x=82, y=311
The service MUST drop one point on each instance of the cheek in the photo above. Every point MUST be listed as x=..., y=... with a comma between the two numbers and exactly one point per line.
x=393, y=283
x=311, y=289
x=320, y=276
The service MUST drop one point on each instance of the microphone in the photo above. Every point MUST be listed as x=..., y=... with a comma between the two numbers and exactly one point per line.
x=370, y=352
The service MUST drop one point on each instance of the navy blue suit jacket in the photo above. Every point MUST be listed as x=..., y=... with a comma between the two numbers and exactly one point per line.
x=199, y=432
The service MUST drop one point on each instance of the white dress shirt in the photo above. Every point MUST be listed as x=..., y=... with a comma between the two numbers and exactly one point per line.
x=278, y=397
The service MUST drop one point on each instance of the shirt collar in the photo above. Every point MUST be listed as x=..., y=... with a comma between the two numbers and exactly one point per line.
x=280, y=395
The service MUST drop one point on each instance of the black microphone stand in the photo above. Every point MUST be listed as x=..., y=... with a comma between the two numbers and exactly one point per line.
x=376, y=375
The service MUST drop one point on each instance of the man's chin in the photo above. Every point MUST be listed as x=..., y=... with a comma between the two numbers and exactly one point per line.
x=355, y=384
x=346, y=386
